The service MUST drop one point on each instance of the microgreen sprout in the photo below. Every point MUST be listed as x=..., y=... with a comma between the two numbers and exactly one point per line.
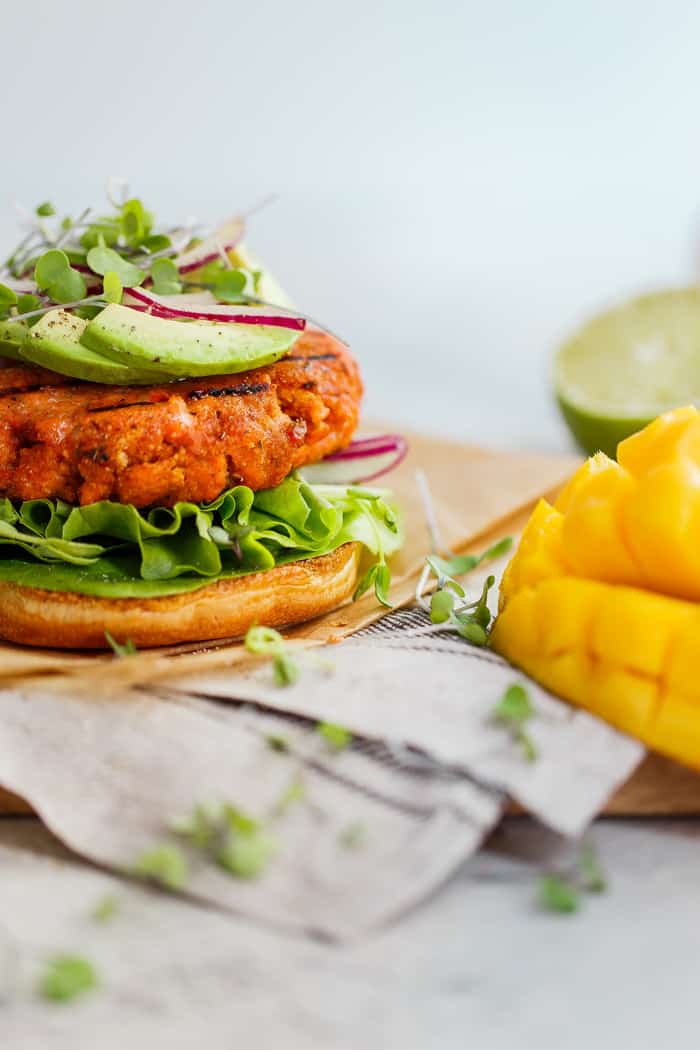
x=66, y=977
x=165, y=865
x=106, y=908
x=513, y=711
x=561, y=892
x=592, y=876
x=379, y=577
x=120, y=650
x=54, y=274
x=240, y=844
x=165, y=277
x=293, y=793
x=277, y=742
x=448, y=605
x=112, y=287
x=266, y=641
x=338, y=738
x=558, y=894
x=229, y=285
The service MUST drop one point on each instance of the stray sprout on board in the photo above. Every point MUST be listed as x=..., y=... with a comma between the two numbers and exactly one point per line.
x=448, y=605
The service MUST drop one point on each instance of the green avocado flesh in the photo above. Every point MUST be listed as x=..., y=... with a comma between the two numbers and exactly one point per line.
x=114, y=550
x=12, y=335
x=183, y=348
x=54, y=342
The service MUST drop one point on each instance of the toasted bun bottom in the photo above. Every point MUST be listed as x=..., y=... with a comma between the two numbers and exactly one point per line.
x=282, y=596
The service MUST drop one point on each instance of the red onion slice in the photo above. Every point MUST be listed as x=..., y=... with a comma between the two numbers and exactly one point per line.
x=224, y=239
x=175, y=306
x=363, y=460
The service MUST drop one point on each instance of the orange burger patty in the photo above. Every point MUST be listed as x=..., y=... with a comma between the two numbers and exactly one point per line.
x=190, y=440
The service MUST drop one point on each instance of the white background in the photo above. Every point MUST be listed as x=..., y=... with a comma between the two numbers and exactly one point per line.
x=460, y=183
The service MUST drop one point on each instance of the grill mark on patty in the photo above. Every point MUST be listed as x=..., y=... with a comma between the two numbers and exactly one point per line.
x=195, y=395
x=228, y=391
x=119, y=404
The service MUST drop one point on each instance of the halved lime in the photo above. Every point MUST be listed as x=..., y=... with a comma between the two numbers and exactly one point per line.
x=628, y=365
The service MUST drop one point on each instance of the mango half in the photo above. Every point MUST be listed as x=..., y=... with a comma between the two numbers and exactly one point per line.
x=601, y=600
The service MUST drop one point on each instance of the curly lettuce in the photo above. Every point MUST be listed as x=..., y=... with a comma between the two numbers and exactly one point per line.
x=114, y=550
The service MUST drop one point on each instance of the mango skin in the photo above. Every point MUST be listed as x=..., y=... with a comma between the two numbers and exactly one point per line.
x=601, y=601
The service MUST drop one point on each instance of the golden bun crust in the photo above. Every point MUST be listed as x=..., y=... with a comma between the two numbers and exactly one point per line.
x=279, y=597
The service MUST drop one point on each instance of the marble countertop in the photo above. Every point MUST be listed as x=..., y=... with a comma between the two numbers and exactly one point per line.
x=479, y=966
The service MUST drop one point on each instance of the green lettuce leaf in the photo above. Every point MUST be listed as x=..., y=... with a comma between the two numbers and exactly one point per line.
x=115, y=550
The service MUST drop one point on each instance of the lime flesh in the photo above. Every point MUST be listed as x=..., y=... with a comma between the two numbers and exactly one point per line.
x=628, y=365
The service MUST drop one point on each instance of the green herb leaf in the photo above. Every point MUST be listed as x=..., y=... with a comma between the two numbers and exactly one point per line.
x=166, y=277
x=51, y=267
x=105, y=231
x=354, y=835
x=164, y=865
x=514, y=707
x=135, y=222
x=127, y=649
x=247, y=855
x=382, y=582
x=8, y=297
x=66, y=977
x=366, y=582
x=441, y=606
x=527, y=745
x=202, y=826
x=102, y=260
x=460, y=564
x=229, y=284
x=53, y=274
x=456, y=566
x=263, y=641
x=155, y=242
x=337, y=737
x=277, y=743
x=294, y=793
x=106, y=908
x=513, y=711
x=473, y=632
x=238, y=821
x=285, y=669
x=558, y=894
x=112, y=287
x=27, y=302
x=266, y=641
x=439, y=569
x=498, y=549
x=379, y=577
x=45, y=209
x=592, y=875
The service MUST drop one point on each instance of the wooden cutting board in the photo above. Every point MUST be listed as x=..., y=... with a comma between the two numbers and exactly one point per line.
x=479, y=495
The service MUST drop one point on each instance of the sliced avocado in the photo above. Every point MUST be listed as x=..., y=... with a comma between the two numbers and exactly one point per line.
x=184, y=348
x=54, y=342
x=12, y=335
